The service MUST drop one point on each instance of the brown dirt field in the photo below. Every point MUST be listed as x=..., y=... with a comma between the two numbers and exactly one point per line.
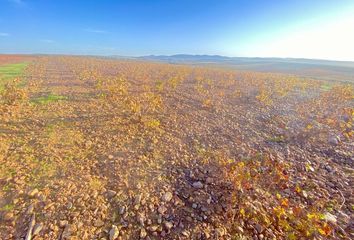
x=104, y=149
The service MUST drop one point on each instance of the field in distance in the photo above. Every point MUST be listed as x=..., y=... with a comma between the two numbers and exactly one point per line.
x=99, y=148
x=329, y=70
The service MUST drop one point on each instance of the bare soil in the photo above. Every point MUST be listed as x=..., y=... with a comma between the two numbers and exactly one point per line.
x=104, y=149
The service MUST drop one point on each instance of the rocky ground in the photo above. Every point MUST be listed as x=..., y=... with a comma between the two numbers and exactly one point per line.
x=103, y=149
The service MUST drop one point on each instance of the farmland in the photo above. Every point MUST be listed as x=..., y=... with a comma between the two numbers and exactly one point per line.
x=94, y=148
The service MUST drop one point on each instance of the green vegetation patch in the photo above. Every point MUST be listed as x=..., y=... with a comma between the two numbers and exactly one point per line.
x=7, y=207
x=11, y=71
x=277, y=139
x=48, y=99
x=326, y=87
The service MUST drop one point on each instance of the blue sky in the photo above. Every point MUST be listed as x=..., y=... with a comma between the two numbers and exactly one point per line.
x=279, y=28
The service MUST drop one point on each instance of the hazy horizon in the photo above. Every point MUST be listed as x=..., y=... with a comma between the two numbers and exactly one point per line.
x=173, y=55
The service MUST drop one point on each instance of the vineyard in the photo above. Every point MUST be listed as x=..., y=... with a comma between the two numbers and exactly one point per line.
x=94, y=148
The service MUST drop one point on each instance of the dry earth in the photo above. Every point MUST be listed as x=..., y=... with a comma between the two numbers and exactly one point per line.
x=103, y=149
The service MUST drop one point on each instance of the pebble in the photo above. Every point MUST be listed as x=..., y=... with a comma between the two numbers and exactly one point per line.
x=185, y=233
x=209, y=180
x=86, y=197
x=334, y=140
x=68, y=231
x=239, y=229
x=98, y=223
x=111, y=193
x=198, y=185
x=168, y=225
x=113, y=233
x=80, y=224
x=143, y=233
x=330, y=218
x=259, y=228
x=167, y=197
x=141, y=219
x=162, y=209
x=206, y=235
x=33, y=192
x=63, y=223
x=121, y=210
x=328, y=168
x=8, y=216
x=153, y=228
x=220, y=231
x=137, y=199
x=204, y=209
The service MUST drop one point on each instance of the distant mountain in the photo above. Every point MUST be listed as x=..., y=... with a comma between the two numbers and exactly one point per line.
x=187, y=57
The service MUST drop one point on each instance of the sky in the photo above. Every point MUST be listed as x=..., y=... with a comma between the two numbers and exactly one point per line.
x=320, y=29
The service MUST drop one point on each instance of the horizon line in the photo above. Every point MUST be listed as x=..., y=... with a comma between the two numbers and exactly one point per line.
x=177, y=54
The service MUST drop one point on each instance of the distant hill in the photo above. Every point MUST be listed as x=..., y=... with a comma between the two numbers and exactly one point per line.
x=187, y=57
x=314, y=68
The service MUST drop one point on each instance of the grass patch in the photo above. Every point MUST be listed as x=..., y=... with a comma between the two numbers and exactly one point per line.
x=326, y=87
x=277, y=139
x=48, y=99
x=96, y=184
x=11, y=71
x=7, y=207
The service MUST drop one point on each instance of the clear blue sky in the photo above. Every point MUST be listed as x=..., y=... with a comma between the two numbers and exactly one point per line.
x=265, y=28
